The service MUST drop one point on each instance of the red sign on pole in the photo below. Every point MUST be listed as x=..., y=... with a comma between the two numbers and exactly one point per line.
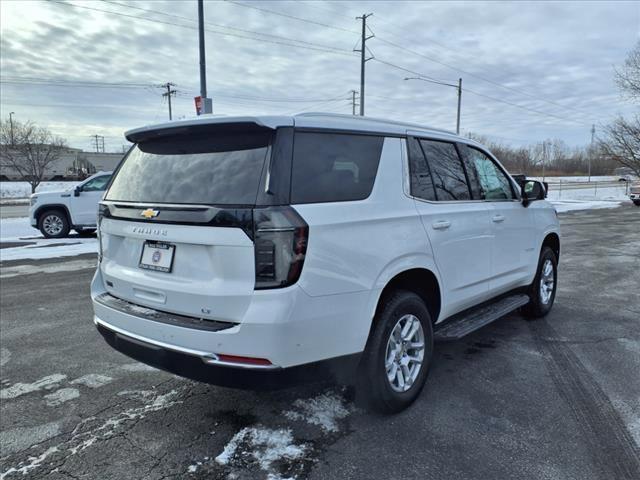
x=198, y=101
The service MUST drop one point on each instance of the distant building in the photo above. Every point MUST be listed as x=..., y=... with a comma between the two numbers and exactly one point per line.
x=73, y=164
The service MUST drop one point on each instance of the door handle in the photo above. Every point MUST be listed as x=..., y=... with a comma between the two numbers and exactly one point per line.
x=441, y=225
x=498, y=218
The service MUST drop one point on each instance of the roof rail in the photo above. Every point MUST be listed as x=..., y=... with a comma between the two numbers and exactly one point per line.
x=359, y=118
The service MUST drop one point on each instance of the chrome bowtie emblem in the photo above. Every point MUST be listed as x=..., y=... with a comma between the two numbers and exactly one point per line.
x=149, y=213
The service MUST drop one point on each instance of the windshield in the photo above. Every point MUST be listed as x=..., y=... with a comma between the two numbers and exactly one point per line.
x=211, y=169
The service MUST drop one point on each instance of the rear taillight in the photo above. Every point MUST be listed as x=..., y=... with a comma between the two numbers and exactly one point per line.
x=280, y=244
x=102, y=210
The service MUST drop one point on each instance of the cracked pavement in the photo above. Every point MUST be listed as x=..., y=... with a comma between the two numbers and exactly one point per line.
x=556, y=398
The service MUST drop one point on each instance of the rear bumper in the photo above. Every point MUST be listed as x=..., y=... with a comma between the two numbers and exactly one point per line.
x=285, y=326
x=191, y=366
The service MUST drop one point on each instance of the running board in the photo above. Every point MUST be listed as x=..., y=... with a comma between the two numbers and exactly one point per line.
x=467, y=322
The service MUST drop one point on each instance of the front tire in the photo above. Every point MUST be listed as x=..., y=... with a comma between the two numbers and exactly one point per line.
x=396, y=360
x=54, y=224
x=542, y=292
x=636, y=203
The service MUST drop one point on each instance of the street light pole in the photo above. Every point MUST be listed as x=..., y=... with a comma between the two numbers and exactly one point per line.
x=458, y=87
x=206, y=102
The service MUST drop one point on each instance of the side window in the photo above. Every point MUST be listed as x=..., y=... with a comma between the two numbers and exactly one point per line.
x=447, y=171
x=494, y=184
x=97, y=184
x=421, y=182
x=331, y=167
x=472, y=173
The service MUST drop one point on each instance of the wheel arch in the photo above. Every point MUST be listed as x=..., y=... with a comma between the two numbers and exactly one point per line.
x=422, y=281
x=54, y=206
x=552, y=240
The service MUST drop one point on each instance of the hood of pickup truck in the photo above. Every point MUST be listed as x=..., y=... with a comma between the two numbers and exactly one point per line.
x=53, y=195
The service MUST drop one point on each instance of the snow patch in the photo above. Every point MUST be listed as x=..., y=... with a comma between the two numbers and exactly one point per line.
x=91, y=430
x=33, y=462
x=261, y=445
x=61, y=396
x=18, y=389
x=20, y=229
x=68, y=266
x=92, y=380
x=23, y=189
x=324, y=411
x=562, y=206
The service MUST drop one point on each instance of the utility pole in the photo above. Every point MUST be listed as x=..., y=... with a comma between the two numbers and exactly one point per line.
x=354, y=104
x=170, y=92
x=593, y=136
x=206, y=102
x=11, y=114
x=459, y=105
x=98, y=141
x=363, y=59
x=458, y=87
x=544, y=157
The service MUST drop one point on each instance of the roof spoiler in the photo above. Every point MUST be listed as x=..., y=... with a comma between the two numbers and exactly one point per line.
x=149, y=133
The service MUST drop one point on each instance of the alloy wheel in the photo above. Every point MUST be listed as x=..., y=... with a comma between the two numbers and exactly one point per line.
x=547, y=282
x=405, y=353
x=53, y=225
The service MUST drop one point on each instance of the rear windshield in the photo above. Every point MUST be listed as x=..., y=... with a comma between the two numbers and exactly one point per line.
x=204, y=168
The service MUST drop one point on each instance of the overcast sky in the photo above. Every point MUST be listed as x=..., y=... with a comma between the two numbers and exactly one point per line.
x=556, y=60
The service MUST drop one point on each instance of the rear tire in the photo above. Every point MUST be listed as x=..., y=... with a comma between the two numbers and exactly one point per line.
x=54, y=224
x=397, y=357
x=636, y=203
x=542, y=292
x=86, y=232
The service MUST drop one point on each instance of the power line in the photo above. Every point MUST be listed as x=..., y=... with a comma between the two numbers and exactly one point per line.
x=71, y=83
x=253, y=32
x=293, y=17
x=324, y=48
x=521, y=92
x=540, y=112
x=92, y=84
x=479, y=77
x=339, y=98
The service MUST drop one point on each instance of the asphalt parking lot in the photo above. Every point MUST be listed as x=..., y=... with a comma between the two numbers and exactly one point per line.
x=557, y=398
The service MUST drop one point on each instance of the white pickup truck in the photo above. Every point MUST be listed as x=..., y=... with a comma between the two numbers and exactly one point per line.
x=56, y=213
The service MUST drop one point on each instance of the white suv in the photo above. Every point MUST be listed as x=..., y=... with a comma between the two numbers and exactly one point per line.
x=253, y=251
x=56, y=213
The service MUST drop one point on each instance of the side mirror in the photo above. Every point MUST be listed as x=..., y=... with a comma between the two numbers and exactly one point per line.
x=533, y=190
x=76, y=191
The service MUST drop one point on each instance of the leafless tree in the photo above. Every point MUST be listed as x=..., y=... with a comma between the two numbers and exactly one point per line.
x=621, y=140
x=628, y=78
x=29, y=150
x=622, y=143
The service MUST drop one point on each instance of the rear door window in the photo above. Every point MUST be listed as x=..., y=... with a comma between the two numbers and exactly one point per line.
x=211, y=169
x=421, y=182
x=333, y=167
x=447, y=171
